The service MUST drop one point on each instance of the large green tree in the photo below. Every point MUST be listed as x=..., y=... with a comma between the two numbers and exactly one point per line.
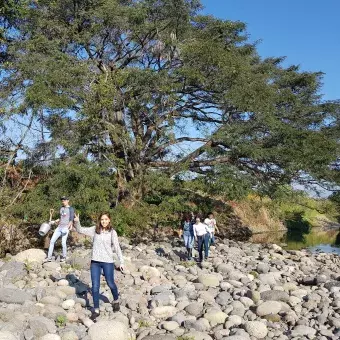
x=153, y=85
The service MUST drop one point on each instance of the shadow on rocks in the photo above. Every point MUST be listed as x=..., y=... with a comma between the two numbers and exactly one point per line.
x=83, y=290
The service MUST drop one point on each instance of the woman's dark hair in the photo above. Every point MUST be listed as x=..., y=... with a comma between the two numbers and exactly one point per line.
x=99, y=225
x=186, y=217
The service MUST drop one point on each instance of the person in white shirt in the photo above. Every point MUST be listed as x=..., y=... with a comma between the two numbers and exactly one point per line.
x=212, y=226
x=202, y=236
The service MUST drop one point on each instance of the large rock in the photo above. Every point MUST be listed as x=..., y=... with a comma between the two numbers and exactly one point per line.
x=275, y=295
x=224, y=268
x=268, y=307
x=270, y=278
x=195, y=308
x=223, y=298
x=149, y=272
x=164, y=312
x=50, y=300
x=170, y=325
x=163, y=299
x=50, y=337
x=69, y=291
x=216, y=317
x=200, y=325
x=233, y=320
x=160, y=337
x=80, y=260
x=13, y=271
x=52, y=311
x=51, y=266
x=257, y=329
x=302, y=330
x=263, y=268
x=238, y=308
x=108, y=330
x=161, y=289
x=41, y=326
x=5, y=335
x=329, y=285
x=209, y=280
x=30, y=255
x=197, y=336
x=10, y=295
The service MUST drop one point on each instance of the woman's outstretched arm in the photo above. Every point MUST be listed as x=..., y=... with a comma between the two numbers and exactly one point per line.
x=86, y=231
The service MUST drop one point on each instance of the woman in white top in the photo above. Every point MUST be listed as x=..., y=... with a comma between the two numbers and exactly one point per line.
x=202, y=236
x=211, y=223
x=105, y=241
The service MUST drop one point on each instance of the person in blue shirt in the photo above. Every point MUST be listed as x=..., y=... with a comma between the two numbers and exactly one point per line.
x=188, y=235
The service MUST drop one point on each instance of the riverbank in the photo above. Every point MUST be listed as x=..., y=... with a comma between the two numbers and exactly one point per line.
x=244, y=291
x=312, y=239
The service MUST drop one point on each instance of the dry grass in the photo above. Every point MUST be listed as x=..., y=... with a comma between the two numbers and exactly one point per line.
x=254, y=214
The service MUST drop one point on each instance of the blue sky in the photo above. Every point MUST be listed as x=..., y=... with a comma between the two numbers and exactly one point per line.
x=307, y=32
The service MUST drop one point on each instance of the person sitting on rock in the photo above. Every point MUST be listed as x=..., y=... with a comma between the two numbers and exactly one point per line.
x=188, y=235
x=65, y=223
x=105, y=241
x=202, y=236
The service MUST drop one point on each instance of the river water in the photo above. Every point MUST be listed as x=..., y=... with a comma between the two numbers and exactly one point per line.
x=316, y=240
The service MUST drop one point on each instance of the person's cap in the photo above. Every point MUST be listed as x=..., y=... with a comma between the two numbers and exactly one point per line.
x=64, y=198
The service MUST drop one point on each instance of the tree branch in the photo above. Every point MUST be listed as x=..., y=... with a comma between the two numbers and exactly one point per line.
x=191, y=165
x=177, y=141
x=16, y=149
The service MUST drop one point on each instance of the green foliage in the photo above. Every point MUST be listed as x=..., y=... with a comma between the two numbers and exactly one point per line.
x=185, y=337
x=28, y=266
x=124, y=80
x=61, y=320
x=188, y=264
x=255, y=274
x=89, y=187
x=87, y=243
x=288, y=204
x=143, y=323
x=335, y=197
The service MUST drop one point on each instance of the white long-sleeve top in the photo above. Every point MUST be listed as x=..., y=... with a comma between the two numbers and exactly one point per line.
x=200, y=229
x=103, y=244
x=211, y=223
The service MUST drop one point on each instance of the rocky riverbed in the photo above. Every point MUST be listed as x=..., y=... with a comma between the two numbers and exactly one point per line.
x=243, y=291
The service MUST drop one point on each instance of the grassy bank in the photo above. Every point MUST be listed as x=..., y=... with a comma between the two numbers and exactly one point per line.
x=289, y=210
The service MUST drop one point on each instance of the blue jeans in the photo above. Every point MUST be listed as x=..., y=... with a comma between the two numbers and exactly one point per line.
x=57, y=233
x=203, y=241
x=188, y=240
x=206, y=245
x=212, y=239
x=96, y=270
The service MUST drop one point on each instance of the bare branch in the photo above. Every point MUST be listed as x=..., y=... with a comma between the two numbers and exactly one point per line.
x=20, y=192
x=16, y=149
x=177, y=141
